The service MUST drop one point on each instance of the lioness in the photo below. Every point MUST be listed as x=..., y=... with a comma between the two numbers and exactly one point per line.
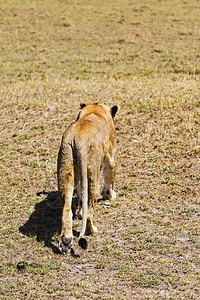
x=87, y=145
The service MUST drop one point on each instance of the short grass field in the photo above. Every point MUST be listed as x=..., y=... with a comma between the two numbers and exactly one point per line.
x=144, y=56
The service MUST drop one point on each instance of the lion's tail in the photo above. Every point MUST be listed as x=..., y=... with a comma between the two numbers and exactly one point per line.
x=82, y=158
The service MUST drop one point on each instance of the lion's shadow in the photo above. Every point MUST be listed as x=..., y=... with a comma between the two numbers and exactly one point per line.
x=45, y=221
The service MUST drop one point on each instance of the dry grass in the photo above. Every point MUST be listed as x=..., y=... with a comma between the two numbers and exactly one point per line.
x=144, y=56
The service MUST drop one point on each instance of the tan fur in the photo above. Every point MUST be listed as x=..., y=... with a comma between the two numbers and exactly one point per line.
x=87, y=145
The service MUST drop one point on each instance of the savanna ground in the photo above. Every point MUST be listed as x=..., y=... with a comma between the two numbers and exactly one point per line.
x=144, y=56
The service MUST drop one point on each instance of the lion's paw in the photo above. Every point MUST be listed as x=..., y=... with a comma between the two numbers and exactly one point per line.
x=108, y=195
x=65, y=244
x=113, y=195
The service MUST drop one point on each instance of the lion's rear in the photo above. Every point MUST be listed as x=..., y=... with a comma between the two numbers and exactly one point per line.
x=85, y=146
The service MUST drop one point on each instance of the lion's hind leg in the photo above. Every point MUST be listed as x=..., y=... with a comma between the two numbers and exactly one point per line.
x=90, y=228
x=109, y=169
x=66, y=194
x=93, y=193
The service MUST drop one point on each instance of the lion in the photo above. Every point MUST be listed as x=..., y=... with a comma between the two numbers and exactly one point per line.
x=87, y=145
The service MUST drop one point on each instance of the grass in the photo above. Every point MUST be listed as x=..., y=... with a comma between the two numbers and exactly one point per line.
x=143, y=56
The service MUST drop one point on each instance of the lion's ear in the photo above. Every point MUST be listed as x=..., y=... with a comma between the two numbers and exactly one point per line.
x=82, y=105
x=113, y=110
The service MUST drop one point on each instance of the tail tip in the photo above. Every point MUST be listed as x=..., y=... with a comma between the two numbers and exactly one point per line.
x=83, y=243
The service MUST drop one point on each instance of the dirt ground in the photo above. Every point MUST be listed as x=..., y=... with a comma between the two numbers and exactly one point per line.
x=144, y=57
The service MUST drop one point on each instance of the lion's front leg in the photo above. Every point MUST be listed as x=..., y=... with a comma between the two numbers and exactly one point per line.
x=66, y=233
